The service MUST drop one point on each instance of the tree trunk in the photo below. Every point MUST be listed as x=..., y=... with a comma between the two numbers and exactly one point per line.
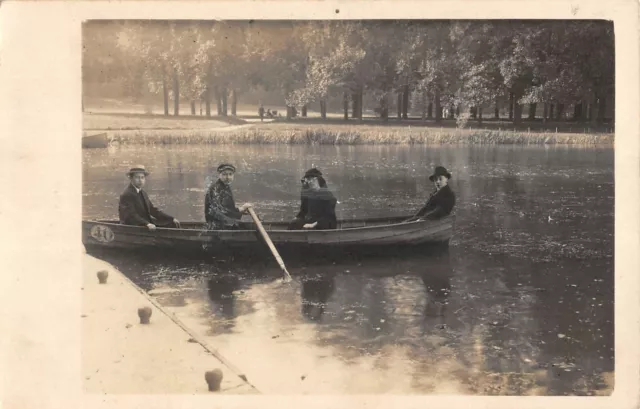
x=193, y=107
x=399, y=105
x=303, y=111
x=532, y=111
x=473, y=112
x=479, y=114
x=590, y=111
x=577, y=111
x=511, y=105
x=216, y=95
x=517, y=113
x=452, y=111
x=345, y=103
x=424, y=106
x=384, y=107
x=438, y=106
x=323, y=109
x=234, y=102
x=360, y=103
x=601, y=110
x=207, y=101
x=457, y=111
x=430, y=110
x=545, y=112
x=165, y=94
x=405, y=102
x=560, y=113
x=496, y=110
x=176, y=93
x=225, y=98
x=354, y=105
x=289, y=113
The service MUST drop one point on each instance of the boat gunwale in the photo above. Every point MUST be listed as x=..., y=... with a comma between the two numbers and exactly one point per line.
x=312, y=231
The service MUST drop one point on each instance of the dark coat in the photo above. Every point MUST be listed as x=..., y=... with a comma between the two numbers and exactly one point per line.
x=137, y=210
x=220, y=209
x=317, y=206
x=440, y=204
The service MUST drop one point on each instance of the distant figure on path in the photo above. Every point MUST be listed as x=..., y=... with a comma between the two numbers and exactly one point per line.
x=261, y=113
x=441, y=201
x=318, y=205
x=220, y=209
x=136, y=209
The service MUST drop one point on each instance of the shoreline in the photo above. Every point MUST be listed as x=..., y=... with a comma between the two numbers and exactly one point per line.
x=348, y=135
x=120, y=355
x=137, y=129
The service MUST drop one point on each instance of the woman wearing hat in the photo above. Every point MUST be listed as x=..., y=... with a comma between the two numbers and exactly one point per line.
x=317, y=204
x=220, y=209
x=136, y=209
x=441, y=201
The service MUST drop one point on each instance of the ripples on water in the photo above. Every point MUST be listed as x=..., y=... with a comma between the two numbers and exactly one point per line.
x=522, y=304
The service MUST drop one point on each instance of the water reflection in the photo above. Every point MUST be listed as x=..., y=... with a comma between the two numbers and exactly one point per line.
x=222, y=298
x=522, y=303
x=315, y=294
x=437, y=283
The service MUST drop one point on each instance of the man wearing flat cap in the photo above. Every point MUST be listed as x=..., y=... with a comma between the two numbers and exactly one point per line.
x=136, y=209
x=220, y=209
x=441, y=201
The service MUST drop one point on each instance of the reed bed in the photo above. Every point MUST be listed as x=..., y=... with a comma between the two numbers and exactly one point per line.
x=355, y=135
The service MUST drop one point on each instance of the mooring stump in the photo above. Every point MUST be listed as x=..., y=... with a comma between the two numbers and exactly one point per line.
x=102, y=276
x=214, y=379
x=145, y=314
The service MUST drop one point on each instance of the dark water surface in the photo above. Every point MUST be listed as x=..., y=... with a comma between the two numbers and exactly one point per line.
x=521, y=304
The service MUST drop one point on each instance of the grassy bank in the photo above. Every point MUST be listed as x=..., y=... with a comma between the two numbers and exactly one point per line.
x=353, y=135
x=157, y=129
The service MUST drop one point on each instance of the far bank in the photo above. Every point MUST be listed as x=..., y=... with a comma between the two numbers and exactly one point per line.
x=152, y=130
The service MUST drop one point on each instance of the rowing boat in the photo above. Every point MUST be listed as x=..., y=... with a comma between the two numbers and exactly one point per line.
x=193, y=236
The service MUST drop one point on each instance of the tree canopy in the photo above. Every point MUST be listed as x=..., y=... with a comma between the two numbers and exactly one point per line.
x=431, y=65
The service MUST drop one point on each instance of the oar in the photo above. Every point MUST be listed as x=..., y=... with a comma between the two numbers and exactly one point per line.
x=266, y=238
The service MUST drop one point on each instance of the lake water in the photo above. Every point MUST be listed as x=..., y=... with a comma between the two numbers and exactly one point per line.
x=521, y=304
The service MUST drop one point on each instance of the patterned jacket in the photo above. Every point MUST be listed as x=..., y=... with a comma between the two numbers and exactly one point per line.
x=220, y=209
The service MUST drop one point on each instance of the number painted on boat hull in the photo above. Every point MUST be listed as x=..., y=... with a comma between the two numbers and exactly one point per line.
x=102, y=234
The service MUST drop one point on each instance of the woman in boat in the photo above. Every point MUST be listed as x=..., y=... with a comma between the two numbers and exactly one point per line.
x=317, y=204
x=441, y=201
x=220, y=209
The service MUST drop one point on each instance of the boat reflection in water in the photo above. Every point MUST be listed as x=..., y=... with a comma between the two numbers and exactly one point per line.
x=436, y=277
x=316, y=291
x=220, y=289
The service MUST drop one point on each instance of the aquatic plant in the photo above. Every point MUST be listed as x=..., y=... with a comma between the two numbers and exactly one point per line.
x=352, y=135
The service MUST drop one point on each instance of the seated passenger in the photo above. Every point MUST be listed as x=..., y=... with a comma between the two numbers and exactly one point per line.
x=318, y=205
x=220, y=209
x=136, y=209
x=441, y=201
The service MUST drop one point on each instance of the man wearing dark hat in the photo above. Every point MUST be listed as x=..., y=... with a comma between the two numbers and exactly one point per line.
x=136, y=209
x=441, y=201
x=220, y=209
x=317, y=204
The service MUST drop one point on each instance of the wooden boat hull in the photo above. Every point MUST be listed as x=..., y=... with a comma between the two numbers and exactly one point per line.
x=95, y=141
x=351, y=234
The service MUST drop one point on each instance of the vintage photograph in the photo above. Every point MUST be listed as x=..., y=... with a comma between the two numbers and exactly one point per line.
x=348, y=207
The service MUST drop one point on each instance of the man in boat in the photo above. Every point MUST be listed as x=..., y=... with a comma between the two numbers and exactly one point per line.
x=441, y=201
x=136, y=209
x=318, y=205
x=220, y=209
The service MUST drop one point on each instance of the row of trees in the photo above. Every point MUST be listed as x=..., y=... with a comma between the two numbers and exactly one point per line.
x=434, y=68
